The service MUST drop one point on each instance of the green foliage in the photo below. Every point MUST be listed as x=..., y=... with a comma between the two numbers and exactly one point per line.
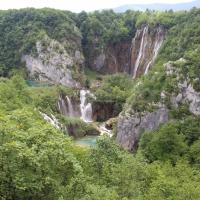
x=195, y=154
x=182, y=37
x=13, y=93
x=165, y=144
x=36, y=161
x=147, y=91
x=153, y=18
x=20, y=29
x=78, y=128
x=173, y=141
x=116, y=88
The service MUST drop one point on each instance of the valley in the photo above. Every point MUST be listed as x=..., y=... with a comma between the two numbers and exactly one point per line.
x=99, y=105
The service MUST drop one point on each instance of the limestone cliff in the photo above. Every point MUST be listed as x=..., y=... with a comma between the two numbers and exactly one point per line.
x=112, y=59
x=53, y=63
x=186, y=94
x=130, y=128
x=133, y=57
x=132, y=124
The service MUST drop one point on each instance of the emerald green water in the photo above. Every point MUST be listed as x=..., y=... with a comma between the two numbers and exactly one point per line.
x=32, y=83
x=87, y=141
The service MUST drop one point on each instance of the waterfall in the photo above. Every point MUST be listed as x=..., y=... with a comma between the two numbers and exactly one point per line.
x=70, y=107
x=52, y=120
x=141, y=51
x=62, y=106
x=86, y=108
x=145, y=48
x=104, y=131
x=65, y=106
x=158, y=43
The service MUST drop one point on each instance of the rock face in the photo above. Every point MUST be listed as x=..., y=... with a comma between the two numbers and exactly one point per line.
x=134, y=58
x=115, y=58
x=129, y=129
x=187, y=94
x=144, y=49
x=103, y=111
x=53, y=63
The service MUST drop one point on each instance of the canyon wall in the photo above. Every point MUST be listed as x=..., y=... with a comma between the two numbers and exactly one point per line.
x=134, y=57
x=52, y=63
x=144, y=49
x=132, y=124
x=130, y=128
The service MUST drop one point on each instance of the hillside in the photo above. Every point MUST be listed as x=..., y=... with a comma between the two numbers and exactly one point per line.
x=126, y=83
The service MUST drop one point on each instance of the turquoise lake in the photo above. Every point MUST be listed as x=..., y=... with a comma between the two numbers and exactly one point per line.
x=87, y=141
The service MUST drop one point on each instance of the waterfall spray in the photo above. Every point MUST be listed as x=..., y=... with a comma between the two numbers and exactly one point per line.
x=86, y=108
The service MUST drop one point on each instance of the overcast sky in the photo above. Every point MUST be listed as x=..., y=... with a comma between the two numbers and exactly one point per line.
x=77, y=5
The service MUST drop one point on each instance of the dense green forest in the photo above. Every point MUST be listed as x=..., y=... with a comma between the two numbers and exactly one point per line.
x=38, y=161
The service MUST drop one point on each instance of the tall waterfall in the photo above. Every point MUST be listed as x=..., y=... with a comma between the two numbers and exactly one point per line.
x=157, y=45
x=144, y=49
x=86, y=108
x=141, y=51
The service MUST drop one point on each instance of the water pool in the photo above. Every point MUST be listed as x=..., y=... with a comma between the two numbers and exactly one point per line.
x=87, y=141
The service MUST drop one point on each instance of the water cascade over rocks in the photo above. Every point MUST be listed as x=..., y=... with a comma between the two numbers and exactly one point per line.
x=70, y=107
x=85, y=106
x=134, y=56
x=157, y=46
x=144, y=50
x=62, y=106
x=103, y=130
x=52, y=120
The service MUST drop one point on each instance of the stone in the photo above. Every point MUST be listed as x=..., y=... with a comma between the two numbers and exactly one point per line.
x=130, y=129
x=52, y=63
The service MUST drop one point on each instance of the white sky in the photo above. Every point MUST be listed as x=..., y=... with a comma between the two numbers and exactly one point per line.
x=77, y=5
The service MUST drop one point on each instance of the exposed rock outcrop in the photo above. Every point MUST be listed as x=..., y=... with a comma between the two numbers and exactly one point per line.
x=186, y=92
x=130, y=128
x=115, y=58
x=102, y=111
x=53, y=63
x=134, y=58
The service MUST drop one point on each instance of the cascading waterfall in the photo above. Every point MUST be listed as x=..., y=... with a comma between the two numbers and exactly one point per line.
x=62, y=106
x=52, y=120
x=141, y=51
x=70, y=107
x=145, y=48
x=158, y=43
x=86, y=107
x=65, y=106
x=103, y=130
